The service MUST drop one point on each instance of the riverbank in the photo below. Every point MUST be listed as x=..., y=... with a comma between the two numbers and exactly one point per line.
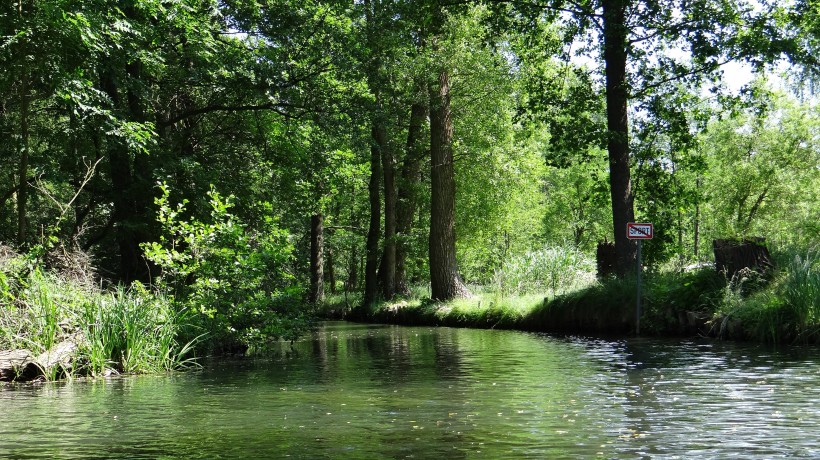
x=783, y=307
x=58, y=320
x=53, y=327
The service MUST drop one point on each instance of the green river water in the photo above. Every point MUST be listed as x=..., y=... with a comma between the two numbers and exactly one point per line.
x=371, y=391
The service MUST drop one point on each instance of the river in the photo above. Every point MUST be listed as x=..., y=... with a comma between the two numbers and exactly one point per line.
x=373, y=391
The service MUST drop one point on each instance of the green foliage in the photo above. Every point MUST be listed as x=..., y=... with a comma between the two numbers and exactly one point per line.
x=576, y=209
x=550, y=270
x=764, y=173
x=130, y=330
x=234, y=280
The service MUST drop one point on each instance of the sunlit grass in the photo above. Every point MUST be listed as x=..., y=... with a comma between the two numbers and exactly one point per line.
x=128, y=330
x=784, y=307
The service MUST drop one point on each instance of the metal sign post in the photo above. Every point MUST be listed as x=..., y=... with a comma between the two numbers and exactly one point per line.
x=638, y=301
x=640, y=232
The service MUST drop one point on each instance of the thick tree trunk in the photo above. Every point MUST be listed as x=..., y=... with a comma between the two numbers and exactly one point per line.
x=377, y=149
x=615, y=36
x=371, y=281
x=387, y=269
x=445, y=281
x=317, y=247
x=407, y=196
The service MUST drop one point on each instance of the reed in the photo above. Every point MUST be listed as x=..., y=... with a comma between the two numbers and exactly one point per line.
x=125, y=330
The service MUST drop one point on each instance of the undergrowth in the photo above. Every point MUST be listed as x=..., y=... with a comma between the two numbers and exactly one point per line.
x=131, y=330
x=783, y=306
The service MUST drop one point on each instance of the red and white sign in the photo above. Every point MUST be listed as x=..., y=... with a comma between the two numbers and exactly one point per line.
x=636, y=231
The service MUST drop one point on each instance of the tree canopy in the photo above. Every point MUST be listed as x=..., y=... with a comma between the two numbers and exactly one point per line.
x=386, y=144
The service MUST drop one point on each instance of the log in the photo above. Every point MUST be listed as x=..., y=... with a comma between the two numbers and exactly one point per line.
x=16, y=364
x=21, y=365
x=61, y=355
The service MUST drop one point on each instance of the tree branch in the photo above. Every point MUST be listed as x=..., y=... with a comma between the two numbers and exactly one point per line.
x=276, y=107
x=677, y=77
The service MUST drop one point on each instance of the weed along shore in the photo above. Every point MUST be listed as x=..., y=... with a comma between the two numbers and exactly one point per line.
x=56, y=328
x=782, y=307
x=55, y=325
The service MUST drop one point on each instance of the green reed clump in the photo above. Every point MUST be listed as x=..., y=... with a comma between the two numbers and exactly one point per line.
x=127, y=330
x=133, y=330
x=783, y=308
x=800, y=291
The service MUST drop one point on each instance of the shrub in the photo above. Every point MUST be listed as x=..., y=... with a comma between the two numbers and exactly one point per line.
x=233, y=279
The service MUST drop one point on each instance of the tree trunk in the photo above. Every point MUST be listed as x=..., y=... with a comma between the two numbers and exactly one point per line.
x=371, y=281
x=445, y=281
x=615, y=39
x=387, y=269
x=317, y=243
x=696, y=229
x=407, y=196
x=378, y=135
x=121, y=188
x=22, y=190
x=352, y=282
x=331, y=270
x=130, y=195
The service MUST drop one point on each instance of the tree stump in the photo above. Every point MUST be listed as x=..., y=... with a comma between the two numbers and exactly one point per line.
x=606, y=259
x=732, y=256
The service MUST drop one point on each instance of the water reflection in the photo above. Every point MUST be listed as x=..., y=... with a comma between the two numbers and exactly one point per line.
x=364, y=391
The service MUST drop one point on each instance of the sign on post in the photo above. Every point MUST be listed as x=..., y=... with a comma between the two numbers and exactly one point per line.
x=636, y=231
x=639, y=231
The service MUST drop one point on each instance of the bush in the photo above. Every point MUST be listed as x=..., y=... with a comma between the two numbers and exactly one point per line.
x=233, y=279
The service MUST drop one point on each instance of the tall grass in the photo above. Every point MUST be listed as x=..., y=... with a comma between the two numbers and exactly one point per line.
x=128, y=330
x=800, y=291
x=784, y=309
x=133, y=331
x=550, y=270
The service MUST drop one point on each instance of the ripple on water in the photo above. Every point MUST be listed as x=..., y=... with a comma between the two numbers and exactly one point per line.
x=364, y=391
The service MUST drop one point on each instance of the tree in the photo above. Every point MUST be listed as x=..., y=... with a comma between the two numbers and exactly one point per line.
x=407, y=193
x=445, y=280
x=633, y=37
x=763, y=172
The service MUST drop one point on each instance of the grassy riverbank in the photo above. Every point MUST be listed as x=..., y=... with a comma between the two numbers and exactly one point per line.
x=783, y=307
x=99, y=332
